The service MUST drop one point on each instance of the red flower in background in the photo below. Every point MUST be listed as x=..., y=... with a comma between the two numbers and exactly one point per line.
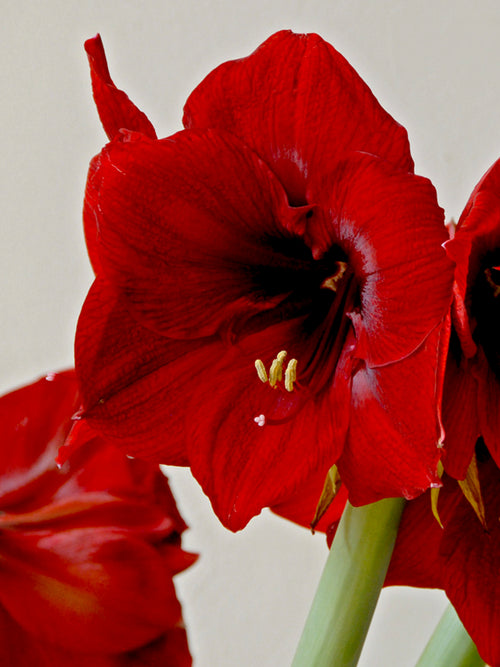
x=473, y=407
x=286, y=218
x=463, y=557
x=87, y=551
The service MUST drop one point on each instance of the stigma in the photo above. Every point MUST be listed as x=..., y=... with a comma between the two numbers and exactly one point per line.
x=275, y=376
x=332, y=281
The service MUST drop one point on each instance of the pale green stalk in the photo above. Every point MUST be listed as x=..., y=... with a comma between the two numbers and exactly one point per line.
x=450, y=645
x=350, y=585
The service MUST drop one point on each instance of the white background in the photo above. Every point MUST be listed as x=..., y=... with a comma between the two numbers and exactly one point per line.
x=435, y=65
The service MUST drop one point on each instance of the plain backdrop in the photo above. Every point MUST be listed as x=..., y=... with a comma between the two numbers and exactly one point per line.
x=435, y=65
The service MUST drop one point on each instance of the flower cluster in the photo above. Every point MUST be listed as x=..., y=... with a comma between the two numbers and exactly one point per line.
x=87, y=551
x=278, y=305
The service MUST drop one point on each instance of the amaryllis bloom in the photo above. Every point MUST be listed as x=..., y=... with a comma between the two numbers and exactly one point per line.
x=270, y=284
x=87, y=551
x=463, y=556
x=474, y=378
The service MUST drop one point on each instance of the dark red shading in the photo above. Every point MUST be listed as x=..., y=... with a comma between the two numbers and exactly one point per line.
x=87, y=551
x=472, y=406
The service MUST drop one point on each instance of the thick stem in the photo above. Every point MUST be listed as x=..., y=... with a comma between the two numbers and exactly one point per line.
x=450, y=645
x=350, y=585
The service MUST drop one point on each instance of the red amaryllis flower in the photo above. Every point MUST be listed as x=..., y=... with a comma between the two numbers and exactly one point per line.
x=283, y=231
x=474, y=408
x=87, y=551
x=463, y=556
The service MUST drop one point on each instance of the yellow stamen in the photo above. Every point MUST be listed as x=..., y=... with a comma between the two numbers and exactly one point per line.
x=261, y=370
x=276, y=370
x=290, y=374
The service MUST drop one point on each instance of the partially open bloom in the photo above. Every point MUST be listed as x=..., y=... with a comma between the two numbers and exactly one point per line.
x=270, y=284
x=462, y=555
x=473, y=407
x=88, y=551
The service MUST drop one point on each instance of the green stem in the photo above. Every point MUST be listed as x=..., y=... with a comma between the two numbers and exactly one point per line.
x=350, y=585
x=450, y=645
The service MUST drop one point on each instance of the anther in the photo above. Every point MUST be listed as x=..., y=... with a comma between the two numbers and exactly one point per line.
x=332, y=281
x=261, y=370
x=276, y=370
x=290, y=374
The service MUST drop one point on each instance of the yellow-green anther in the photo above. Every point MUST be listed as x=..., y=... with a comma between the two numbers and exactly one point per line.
x=276, y=370
x=290, y=374
x=261, y=370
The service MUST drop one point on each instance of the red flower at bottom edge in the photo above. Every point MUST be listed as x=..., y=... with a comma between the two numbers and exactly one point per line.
x=88, y=551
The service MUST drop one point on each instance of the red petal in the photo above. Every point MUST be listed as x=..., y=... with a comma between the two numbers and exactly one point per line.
x=390, y=226
x=488, y=404
x=19, y=648
x=244, y=467
x=87, y=556
x=16, y=647
x=470, y=559
x=416, y=559
x=36, y=415
x=35, y=421
x=87, y=590
x=184, y=224
x=478, y=226
x=170, y=650
x=140, y=520
x=301, y=507
x=478, y=232
x=300, y=105
x=115, y=109
x=460, y=418
x=90, y=223
x=79, y=435
x=463, y=559
x=134, y=383
x=137, y=481
x=392, y=446
x=213, y=396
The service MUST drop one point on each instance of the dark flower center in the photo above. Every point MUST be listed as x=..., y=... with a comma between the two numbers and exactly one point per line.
x=485, y=308
x=482, y=453
x=455, y=347
x=318, y=294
